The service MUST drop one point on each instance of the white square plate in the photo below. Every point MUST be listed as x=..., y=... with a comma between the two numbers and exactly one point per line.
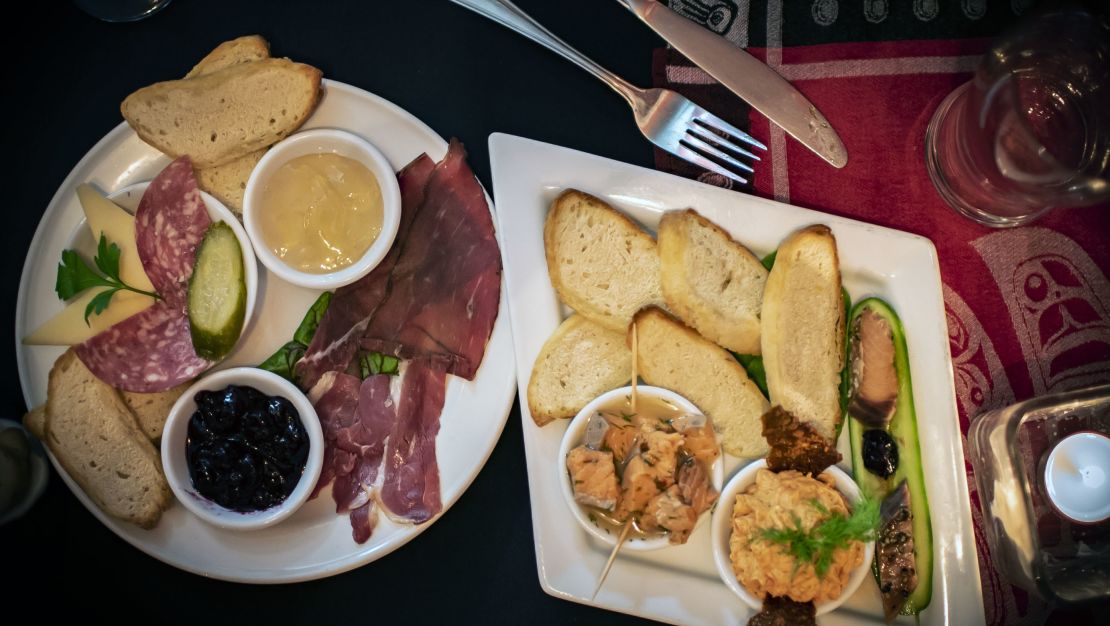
x=680, y=584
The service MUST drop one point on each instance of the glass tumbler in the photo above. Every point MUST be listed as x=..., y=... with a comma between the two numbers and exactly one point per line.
x=121, y=10
x=1031, y=131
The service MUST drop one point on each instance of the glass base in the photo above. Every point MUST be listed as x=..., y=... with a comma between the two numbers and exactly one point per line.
x=941, y=183
x=121, y=10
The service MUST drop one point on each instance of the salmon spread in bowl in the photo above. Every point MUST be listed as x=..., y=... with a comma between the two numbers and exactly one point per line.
x=784, y=501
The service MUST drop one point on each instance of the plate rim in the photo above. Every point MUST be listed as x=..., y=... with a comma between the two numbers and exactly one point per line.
x=357, y=557
x=504, y=145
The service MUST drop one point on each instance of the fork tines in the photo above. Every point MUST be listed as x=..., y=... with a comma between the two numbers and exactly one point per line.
x=712, y=145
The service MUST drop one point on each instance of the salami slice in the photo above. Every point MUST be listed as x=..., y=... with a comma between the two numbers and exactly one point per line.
x=148, y=352
x=153, y=350
x=169, y=225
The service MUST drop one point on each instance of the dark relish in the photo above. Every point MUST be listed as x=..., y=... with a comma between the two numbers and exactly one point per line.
x=246, y=450
x=880, y=453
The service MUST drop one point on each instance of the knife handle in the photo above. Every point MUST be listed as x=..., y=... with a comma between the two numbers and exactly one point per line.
x=511, y=16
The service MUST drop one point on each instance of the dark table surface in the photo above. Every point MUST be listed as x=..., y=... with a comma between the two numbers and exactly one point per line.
x=464, y=76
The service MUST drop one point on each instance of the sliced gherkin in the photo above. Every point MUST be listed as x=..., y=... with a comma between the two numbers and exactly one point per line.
x=217, y=293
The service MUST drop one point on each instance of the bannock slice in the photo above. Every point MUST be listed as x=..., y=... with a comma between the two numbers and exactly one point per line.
x=35, y=421
x=217, y=118
x=580, y=361
x=239, y=50
x=710, y=281
x=94, y=436
x=601, y=263
x=152, y=409
x=675, y=357
x=228, y=182
x=803, y=329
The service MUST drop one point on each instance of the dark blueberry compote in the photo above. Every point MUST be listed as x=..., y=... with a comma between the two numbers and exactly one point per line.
x=246, y=451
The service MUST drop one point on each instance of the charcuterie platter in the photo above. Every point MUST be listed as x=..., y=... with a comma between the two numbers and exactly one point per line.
x=314, y=542
x=575, y=445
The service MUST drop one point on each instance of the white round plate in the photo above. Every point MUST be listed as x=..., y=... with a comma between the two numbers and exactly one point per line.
x=314, y=542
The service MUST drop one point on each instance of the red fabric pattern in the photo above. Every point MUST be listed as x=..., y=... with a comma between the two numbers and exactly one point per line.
x=1028, y=308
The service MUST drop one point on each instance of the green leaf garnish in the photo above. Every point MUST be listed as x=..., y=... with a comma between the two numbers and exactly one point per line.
x=311, y=321
x=75, y=276
x=818, y=544
x=374, y=363
x=285, y=359
x=282, y=361
x=107, y=258
x=753, y=364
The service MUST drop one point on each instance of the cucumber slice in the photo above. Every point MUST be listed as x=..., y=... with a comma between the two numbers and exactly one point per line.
x=903, y=428
x=217, y=293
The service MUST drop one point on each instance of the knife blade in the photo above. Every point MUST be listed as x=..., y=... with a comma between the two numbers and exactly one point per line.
x=747, y=77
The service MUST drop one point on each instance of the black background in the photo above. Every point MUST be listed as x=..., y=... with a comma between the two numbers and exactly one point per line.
x=65, y=74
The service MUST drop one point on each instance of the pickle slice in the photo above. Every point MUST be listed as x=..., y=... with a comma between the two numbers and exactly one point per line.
x=217, y=293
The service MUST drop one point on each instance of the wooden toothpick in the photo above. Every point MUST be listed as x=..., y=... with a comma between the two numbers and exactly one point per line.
x=627, y=525
x=612, y=557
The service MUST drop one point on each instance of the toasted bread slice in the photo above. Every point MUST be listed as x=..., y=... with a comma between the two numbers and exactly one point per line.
x=601, y=263
x=152, y=409
x=94, y=436
x=239, y=50
x=228, y=182
x=803, y=329
x=219, y=117
x=35, y=421
x=675, y=357
x=710, y=281
x=581, y=360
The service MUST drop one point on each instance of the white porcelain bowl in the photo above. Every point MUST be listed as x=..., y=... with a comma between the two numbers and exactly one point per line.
x=129, y=198
x=320, y=141
x=175, y=435
x=722, y=529
x=573, y=437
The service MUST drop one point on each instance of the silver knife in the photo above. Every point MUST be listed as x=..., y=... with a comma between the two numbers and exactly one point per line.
x=747, y=77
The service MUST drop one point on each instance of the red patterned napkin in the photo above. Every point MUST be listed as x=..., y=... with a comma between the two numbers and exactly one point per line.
x=1028, y=308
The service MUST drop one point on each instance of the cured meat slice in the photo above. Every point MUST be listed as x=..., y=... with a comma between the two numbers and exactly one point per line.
x=148, y=352
x=169, y=225
x=410, y=490
x=446, y=285
x=364, y=439
x=336, y=339
x=363, y=520
x=335, y=398
x=153, y=350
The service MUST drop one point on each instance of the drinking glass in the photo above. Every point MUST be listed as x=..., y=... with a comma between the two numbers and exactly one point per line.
x=121, y=10
x=1031, y=131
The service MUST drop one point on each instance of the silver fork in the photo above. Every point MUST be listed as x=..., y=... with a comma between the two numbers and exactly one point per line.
x=667, y=119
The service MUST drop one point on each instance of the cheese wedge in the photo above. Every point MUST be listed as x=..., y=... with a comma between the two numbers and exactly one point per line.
x=107, y=217
x=68, y=327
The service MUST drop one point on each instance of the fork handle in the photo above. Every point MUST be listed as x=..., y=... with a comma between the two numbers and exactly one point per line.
x=511, y=16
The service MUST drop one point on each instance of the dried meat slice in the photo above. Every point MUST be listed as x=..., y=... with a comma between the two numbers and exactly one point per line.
x=446, y=285
x=169, y=225
x=363, y=520
x=410, y=490
x=148, y=352
x=365, y=440
x=336, y=339
x=335, y=398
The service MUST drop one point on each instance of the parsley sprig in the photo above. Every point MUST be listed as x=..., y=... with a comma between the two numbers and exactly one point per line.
x=75, y=276
x=818, y=544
